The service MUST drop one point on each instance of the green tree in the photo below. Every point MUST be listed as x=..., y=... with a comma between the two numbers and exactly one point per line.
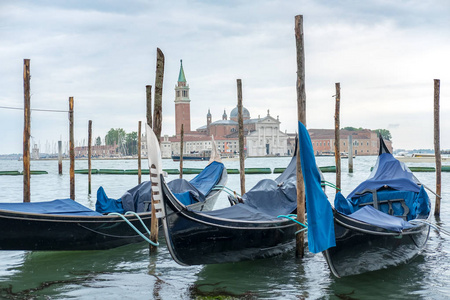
x=115, y=136
x=349, y=128
x=98, y=141
x=385, y=134
x=131, y=142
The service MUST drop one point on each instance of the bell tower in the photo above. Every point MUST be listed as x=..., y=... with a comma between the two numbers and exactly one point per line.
x=182, y=103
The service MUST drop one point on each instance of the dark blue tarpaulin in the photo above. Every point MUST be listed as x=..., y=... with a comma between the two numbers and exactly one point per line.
x=372, y=216
x=266, y=200
x=320, y=214
x=55, y=207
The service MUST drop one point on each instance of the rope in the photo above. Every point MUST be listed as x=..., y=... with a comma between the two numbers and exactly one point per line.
x=290, y=217
x=327, y=183
x=227, y=190
x=435, y=226
x=133, y=227
x=35, y=109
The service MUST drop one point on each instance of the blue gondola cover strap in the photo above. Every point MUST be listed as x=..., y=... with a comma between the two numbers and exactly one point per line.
x=320, y=214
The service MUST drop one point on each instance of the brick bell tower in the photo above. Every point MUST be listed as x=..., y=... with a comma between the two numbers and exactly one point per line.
x=182, y=103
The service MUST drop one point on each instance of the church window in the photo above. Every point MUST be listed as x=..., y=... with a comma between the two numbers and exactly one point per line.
x=178, y=93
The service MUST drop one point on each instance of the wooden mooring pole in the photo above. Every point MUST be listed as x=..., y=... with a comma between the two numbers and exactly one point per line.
x=60, y=157
x=437, y=148
x=26, y=131
x=301, y=111
x=157, y=122
x=71, y=150
x=337, y=138
x=241, y=137
x=139, y=152
x=89, y=155
x=350, y=153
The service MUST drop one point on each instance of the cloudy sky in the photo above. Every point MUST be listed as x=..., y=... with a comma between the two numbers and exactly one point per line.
x=385, y=54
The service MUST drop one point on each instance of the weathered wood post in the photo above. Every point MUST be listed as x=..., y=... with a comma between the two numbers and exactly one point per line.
x=139, y=152
x=148, y=90
x=350, y=153
x=26, y=130
x=60, y=157
x=181, y=150
x=157, y=121
x=71, y=150
x=241, y=137
x=301, y=111
x=437, y=148
x=89, y=155
x=337, y=138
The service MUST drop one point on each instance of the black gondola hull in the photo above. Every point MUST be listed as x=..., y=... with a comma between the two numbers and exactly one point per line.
x=27, y=231
x=361, y=247
x=194, y=238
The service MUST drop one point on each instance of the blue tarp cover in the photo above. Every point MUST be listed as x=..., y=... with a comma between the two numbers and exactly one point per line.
x=55, y=207
x=372, y=216
x=320, y=214
x=107, y=205
x=198, y=188
x=391, y=172
x=187, y=192
x=266, y=200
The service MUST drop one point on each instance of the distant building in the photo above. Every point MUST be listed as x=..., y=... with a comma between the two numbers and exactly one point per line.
x=262, y=135
x=365, y=142
x=97, y=151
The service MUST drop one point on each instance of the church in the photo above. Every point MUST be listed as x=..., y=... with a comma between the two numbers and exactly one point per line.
x=262, y=135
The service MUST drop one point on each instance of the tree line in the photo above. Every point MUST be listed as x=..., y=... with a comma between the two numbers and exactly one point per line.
x=127, y=143
x=385, y=133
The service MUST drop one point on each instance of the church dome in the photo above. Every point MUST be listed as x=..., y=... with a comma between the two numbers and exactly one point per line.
x=245, y=113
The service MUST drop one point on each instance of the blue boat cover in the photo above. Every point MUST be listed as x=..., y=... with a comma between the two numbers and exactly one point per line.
x=107, y=205
x=266, y=200
x=320, y=214
x=388, y=171
x=187, y=192
x=198, y=188
x=398, y=192
x=55, y=207
x=372, y=216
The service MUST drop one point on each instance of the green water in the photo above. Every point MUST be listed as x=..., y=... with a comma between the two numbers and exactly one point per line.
x=130, y=273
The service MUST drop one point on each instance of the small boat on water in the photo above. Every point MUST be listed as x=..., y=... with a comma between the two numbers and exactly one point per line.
x=64, y=224
x=248, y=230
x=203, y=155
x=382, y=223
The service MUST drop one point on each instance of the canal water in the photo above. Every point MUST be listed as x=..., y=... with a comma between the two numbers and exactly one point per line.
x=129, y=272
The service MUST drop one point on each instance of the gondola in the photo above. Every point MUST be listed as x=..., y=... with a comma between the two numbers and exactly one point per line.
x=381, y=223
x=64, y=224
x=244, y=231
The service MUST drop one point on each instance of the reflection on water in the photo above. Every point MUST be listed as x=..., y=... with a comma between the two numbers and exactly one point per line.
x=129, y=272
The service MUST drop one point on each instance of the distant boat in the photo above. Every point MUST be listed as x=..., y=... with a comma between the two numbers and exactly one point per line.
x=203, y=155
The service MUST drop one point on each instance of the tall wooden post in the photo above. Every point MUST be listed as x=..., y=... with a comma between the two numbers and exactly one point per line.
x=301, y=111
x=437, y=148
x=26, y=130
x=181, y=150
x=71, y=150
x=241, y=137
x=89, y=155
x=157, y=122
x=139, y=152
x=148, y=90
x=157, y=116
x=337, y=139
x=60, y=157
